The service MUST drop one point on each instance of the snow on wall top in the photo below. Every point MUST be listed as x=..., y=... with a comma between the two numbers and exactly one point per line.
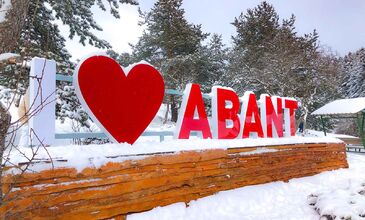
x=81, y=157
x=342, y=106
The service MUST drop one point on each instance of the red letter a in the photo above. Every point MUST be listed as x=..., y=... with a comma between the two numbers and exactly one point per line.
x=250, y=111
x=192, y=115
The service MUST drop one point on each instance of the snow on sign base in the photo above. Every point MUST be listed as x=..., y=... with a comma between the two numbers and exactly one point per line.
x=342, y=106
x=116, y=189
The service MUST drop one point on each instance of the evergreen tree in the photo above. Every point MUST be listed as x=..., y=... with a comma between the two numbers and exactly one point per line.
x=170, y=43
x=353, y=85
x=213, y=61
x=39, y=36
x=77, y=15
x=255, y=32
x=124, y=59
x=269, y=57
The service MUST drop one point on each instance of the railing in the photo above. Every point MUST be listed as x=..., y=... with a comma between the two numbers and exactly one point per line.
x=78, y=135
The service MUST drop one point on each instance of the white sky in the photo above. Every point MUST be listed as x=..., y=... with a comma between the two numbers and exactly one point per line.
x=340, y=24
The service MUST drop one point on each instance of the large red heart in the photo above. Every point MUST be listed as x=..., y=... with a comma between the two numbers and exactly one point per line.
x=122, y=104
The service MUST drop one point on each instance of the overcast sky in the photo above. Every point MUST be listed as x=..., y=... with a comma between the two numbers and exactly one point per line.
x=340, y=23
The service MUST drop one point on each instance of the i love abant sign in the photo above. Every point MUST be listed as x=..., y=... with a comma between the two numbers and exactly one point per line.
x=123, y=104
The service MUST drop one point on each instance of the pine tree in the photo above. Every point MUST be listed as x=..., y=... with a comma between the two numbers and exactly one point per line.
x=40, y=36
x=353, y=85
x=77, y=15
x=255, y=32
x=169, y=43
x=268, y=56
x=212, y=63
x=124, y=59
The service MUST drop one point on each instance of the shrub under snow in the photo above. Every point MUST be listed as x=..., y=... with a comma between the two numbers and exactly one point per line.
x=348, y=203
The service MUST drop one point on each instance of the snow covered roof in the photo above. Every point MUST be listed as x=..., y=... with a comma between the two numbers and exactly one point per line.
x=342, y=107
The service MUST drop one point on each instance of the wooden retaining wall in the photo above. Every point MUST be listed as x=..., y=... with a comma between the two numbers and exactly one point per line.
x=116, y=189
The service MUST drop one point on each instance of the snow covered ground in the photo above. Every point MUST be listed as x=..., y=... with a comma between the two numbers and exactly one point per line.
x=338, y=194
x=314, y=133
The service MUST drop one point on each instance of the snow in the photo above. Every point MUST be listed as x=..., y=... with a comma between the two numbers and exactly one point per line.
x=332, y=193
x=7, y=100
x=259, y=151
x=348, y=203
x=4, y=7
x=342, y=106
x=95, y=155
x=6, y=56
x=129, y=67
x=314, y=133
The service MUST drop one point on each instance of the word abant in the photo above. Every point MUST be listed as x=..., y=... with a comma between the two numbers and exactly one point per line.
x=268, y=117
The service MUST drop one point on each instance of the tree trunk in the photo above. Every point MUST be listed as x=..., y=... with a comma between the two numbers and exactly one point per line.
x=11, y=27
x=5, y=120
x=174, y=109
x=305, y=116
x=166, y=113
x=10, y=30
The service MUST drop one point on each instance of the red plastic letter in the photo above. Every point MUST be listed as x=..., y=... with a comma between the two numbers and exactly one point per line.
x=225, y=107
x=290, y=105
x=272, y=116
x=192, y=115
x=250, y=111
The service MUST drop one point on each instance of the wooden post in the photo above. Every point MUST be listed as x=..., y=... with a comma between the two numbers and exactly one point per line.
x=360, y=125
x=42, y=89
x=323, y=126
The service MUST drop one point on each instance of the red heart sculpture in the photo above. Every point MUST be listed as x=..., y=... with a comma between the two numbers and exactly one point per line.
x=122, y=104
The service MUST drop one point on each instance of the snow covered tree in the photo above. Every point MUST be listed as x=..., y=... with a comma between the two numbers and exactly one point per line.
x=211, y=63
x=12, y=18
x=169, y=43
x=353, y=85
x=29, y=25
x=323, y=85
x=124, y=59
x=38, y=35
x=268, y=56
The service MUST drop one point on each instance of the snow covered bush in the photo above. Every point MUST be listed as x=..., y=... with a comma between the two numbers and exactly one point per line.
x=347, y=204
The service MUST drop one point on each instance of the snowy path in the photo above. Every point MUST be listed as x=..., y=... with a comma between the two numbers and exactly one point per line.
x=277, y=200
